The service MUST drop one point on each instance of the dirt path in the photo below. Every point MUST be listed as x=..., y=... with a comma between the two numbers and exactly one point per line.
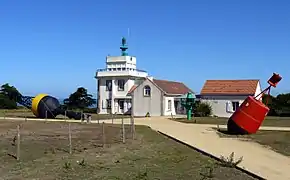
x=256, y=158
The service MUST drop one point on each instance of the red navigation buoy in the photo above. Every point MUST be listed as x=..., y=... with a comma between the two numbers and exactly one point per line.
x=248, y=118
x=250, y=115
x=274, y=80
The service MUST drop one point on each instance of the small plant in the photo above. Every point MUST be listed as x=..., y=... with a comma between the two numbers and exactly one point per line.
x=147, y=114
x=230, y=161
x=208, y=174
x=67, y=165
x=53, y=150
x=14, y=141
x=82, y=162
x=142, y=175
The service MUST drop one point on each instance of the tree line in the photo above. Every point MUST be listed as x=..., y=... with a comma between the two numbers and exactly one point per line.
x=10, y=98
x=279, y=105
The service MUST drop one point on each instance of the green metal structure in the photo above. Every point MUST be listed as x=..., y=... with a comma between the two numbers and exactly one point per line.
x=124, y=47
x=188, y=104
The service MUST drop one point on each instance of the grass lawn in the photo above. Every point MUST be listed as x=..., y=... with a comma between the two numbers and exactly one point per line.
x=278, y=141
x=44, y=155
x=269, y=121
x=28, y=113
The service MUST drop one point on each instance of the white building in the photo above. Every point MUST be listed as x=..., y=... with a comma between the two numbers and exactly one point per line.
x=114, y=82
x=225, y=96
x=158, y=97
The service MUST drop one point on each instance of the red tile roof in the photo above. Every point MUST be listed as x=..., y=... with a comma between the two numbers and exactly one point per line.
x=229, y=87
x=172, y=87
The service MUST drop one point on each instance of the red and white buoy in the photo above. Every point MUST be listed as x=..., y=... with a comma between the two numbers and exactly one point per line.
x=248, y=118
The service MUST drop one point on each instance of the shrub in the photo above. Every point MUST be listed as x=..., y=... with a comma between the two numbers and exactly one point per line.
x=203, y=109
x=6, y=103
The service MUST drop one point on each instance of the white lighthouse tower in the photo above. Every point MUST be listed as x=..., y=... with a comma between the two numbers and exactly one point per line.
x=115, y=81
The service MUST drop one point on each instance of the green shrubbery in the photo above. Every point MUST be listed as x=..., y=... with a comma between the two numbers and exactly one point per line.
x=6, y=103
x=202, y=109
x=8, y=97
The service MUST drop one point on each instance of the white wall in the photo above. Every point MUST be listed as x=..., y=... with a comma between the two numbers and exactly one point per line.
x=128, y=84
x=221, y=105
x=166, y=110
x=104, y=95
x=142, y=105
x=258, y=91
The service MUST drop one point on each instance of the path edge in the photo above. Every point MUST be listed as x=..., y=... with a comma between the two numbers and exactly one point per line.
x=210, y=155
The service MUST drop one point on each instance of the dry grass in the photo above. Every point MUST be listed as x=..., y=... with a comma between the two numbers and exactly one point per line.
x=44, y=155
x=278, y=141
x=269, y=121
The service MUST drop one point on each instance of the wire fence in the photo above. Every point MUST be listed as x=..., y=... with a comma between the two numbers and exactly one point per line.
x=20, y=138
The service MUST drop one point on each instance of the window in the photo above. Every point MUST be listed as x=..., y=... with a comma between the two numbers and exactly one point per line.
x=108, y=85
x=121, y=104
x=169, y=105
x=108, y=104
x=103, y=104
x=235, y=105
x=147, y=91
x=121, y=85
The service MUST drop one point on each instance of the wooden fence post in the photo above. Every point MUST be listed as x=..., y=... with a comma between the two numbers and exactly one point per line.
x=132, y=127
x=69, y=137
x=123, y=131
x=18, y=143
x=65, y=115
x=103, y=134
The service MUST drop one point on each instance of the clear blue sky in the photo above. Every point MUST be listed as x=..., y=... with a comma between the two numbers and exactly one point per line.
x=54, y=46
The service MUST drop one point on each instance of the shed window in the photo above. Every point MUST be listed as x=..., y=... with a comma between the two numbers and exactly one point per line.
x=235, y=105
x=169, y=105
x=147, y=91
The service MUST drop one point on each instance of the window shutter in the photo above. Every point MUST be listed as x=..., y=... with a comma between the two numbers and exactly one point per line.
x=229, y=106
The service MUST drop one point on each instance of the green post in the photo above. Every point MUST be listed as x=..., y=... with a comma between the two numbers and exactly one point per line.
x=189, y=114
x=188, y=104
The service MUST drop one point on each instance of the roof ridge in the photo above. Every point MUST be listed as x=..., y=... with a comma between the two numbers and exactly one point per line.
x=239, y=86
x=233, y=80
x=168, y=81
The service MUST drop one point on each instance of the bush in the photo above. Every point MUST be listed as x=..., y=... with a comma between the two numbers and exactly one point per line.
x=84, y=110
x=203, y=109
x=6, y=103
x=90, y=110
